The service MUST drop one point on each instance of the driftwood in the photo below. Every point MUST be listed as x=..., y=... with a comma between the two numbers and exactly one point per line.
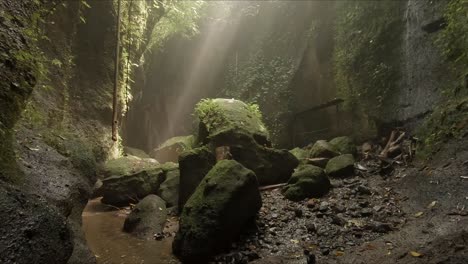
x=270, y=187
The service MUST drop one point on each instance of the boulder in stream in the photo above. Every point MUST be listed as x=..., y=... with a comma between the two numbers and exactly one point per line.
x=126, y=165
x=224, y=202
x=147, y=218
x=234, y=124
x=170, y=150
x=194, y=165
x=341, y=166
x=129, y=151
x=124, y=189
x=308, y=181
x=169, y=189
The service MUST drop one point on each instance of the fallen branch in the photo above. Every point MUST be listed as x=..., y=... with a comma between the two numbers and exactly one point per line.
x=270, y=187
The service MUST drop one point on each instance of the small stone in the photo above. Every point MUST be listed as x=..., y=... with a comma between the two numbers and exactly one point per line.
x=366, y=212
x=323, y=206
x=325, y=251
x=337, y=220
x=363, y=190
x=298, y=212
x=381, y=227
x=311, y=227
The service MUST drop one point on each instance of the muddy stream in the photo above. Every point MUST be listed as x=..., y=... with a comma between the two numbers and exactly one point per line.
x=103, y=229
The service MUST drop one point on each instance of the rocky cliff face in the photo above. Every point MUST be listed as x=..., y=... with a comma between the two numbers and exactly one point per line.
x=55, y=105
x=424, y=73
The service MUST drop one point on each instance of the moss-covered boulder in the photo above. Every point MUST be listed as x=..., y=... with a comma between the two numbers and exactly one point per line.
x=223, y=116
x=234, y=124
x=272, y=166
x=127, y=165
x=322, y=149
x=299, y=153
x=224, y=202
x=194, y=165
x=341, y=166
x=170, y=150
x=129, y=151
x=124, y=189
x=308, y=181
x=343, y=145
x=147, y=218
x=169, y=189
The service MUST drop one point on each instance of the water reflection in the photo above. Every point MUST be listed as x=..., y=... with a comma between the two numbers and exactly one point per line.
x=103, y=229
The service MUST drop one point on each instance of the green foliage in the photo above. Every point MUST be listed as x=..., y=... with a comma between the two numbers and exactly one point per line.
x=453, y=42
x=448, y=121
x=207, y=109
x=366, y=54
x=264, y=84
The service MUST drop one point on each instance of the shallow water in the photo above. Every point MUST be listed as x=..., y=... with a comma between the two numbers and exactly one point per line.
x=103, y=229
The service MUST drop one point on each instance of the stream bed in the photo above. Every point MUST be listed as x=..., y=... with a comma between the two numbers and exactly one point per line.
x=102, y=226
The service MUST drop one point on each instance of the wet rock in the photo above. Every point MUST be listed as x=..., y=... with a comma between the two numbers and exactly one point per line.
x=194, y=165
x=363, y=190
x=170, y=150
x=169, y=189
x=124, y=189
x=308, y=181
x=324, y=206
x=31, y=231
x=272, y=166
x=147, y=218
x=322, y=149
x=135, y=152
x=338, y=220
x=127, y=165
x=343, y=145
x=242, y=130
x=341, y=166
x=381, y=227
x=319, y=162
x=222, y=117
x=221, y=206
x=299, y=153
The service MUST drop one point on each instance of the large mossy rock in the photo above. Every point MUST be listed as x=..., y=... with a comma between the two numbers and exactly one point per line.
x=308, y=181
x=127, y=165
x=299, y=153
x=343, y=145
x=223, y=116
x=341, y=166
x=169, y=189
x=272, y=166
x=170, y=150
x=322, y=149
x=224, y=202
x=194, y=165
x=124, y=189
x=129, y=151
x=234, y=124
x=147, y=218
